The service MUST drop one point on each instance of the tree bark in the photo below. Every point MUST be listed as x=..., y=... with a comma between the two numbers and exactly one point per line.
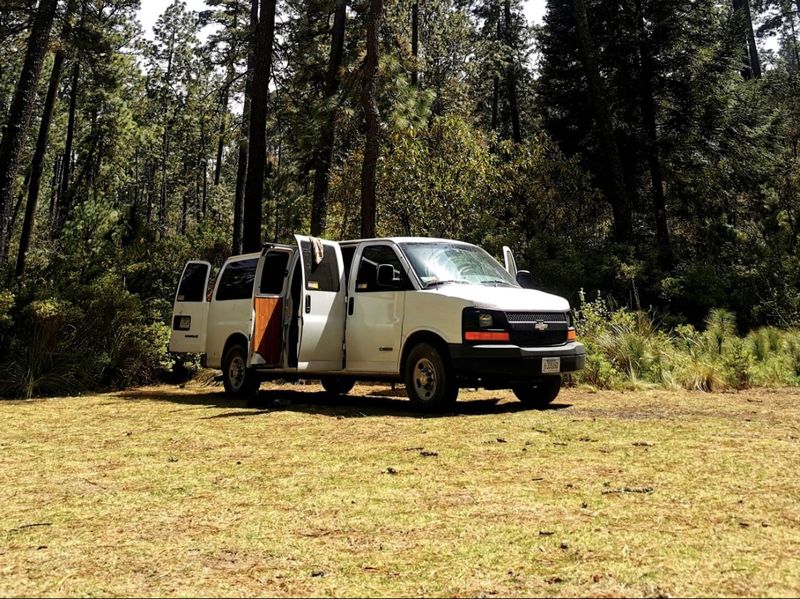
x=496, y=81
x=324, y=152
x=257, y=152
x=244, y=134
x=64, y=198
x=38, y=161
x=372, y=117
x=37, y=164
x=623, y=227
x=511, y=76
x=414, y=41
x=21, y=106
x=651, y=131
x=221, y=140
x=752, y=68
x=165, y=140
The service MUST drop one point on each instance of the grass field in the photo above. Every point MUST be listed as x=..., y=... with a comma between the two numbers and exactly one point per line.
x=166, y=491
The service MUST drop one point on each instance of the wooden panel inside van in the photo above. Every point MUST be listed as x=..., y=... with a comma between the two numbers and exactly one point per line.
x=267, y=333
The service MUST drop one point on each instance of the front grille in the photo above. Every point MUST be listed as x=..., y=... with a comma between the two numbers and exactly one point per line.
x=536, y=316
x=533, y=338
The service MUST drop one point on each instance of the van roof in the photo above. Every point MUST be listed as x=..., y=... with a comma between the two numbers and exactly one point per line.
x=355, y=241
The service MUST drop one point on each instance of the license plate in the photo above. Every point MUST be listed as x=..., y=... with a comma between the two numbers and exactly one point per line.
x=551, y=365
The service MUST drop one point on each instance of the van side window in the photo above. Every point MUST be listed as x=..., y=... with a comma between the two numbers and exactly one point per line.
x=371, y=257
x=192, y=288
x=322, y=276
x=274, y=273
x=237, y=280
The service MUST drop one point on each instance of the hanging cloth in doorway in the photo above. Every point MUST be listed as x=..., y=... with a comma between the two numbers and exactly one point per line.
x=318, y=250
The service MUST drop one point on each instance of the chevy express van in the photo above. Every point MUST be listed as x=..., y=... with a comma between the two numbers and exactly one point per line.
x=435, y=314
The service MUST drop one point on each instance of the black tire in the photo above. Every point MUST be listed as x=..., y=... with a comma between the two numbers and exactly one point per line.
x=240, y=382
x=538, y=394
x=337, y=385
x=430, y=383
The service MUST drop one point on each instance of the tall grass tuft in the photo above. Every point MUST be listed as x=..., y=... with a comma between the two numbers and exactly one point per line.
x=628, y=348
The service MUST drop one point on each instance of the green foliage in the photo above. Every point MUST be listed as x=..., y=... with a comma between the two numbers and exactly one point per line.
x=627, y=349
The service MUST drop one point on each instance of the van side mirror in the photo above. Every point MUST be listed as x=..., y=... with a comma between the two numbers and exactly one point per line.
x=386, y=276
x=525, y=279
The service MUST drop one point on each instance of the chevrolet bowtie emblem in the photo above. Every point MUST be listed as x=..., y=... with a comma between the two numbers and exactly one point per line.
x=541, y=326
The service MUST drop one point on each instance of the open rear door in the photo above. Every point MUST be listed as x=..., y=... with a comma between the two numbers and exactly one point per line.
x=322, y=305
x=190, y=311
x=510, y=263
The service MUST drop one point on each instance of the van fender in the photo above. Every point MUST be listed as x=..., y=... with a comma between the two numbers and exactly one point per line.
x=432, y=335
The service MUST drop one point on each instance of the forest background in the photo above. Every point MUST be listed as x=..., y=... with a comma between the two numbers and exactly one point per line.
x=640, y=156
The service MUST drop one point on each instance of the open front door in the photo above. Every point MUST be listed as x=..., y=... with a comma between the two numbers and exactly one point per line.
x=322, y=307
x=190, y=311
x=510, y=263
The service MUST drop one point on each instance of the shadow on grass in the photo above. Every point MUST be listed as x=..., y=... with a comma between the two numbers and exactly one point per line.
x=375, y=404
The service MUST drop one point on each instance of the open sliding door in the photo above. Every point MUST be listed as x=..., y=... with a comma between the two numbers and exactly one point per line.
x=268, y=303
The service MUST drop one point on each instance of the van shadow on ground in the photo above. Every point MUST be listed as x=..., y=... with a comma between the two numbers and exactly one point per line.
x=378, y=403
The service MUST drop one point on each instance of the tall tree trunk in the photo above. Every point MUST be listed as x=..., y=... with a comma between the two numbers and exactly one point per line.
x=204, y=164
x=257, y=152
x=38, y=161
x=414, y=41
x=496, y=80
x=19, y=116
x=752, y=69
x=223, y=105
x=372, y=117
x=221, y=141
x=623, y=227
x=324, y=152
x=653, y=159
x=165, y=140
x=244, y=133
x=64, y=206
x=511, y=76
x=56, y=182
x=37, y=164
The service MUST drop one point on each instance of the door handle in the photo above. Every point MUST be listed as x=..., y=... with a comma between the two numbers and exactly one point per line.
x=308, y=304
x=350, y=305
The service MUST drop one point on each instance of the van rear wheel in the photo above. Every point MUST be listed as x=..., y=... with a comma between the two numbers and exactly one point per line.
x=239, y=380
x=337, y=385
x=430, y=383
x=538, y=394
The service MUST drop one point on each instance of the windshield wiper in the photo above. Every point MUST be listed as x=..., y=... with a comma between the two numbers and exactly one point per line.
x=496, y=282
x=437, y=282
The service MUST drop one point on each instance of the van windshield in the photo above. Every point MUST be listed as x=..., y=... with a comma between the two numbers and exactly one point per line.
x=440, y=262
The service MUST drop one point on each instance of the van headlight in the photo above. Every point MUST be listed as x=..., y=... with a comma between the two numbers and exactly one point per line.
x=485, y=320
x=479, y=325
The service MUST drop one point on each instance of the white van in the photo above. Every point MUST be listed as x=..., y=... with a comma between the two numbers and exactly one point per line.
x=435, y=314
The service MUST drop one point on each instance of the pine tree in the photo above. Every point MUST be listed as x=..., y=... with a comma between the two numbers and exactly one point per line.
x=20, y=112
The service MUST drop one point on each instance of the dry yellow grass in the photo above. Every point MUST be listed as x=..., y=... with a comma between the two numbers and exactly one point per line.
x=168, y=491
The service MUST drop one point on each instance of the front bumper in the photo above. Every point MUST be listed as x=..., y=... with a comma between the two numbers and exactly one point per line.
x=510, y=363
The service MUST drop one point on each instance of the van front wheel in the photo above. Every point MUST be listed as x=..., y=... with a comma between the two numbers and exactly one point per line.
x=239, y=380
x=430, y=383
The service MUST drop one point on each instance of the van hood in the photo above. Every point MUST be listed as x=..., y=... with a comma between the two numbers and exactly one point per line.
x=503, y=298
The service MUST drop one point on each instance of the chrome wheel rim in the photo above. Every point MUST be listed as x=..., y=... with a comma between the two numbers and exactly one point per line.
x=236, y=372
x=425, y=379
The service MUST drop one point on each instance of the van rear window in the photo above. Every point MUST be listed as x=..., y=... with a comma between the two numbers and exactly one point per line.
x=273, y=273
x=324, y=275
x=193, y=283
x=237, y=280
